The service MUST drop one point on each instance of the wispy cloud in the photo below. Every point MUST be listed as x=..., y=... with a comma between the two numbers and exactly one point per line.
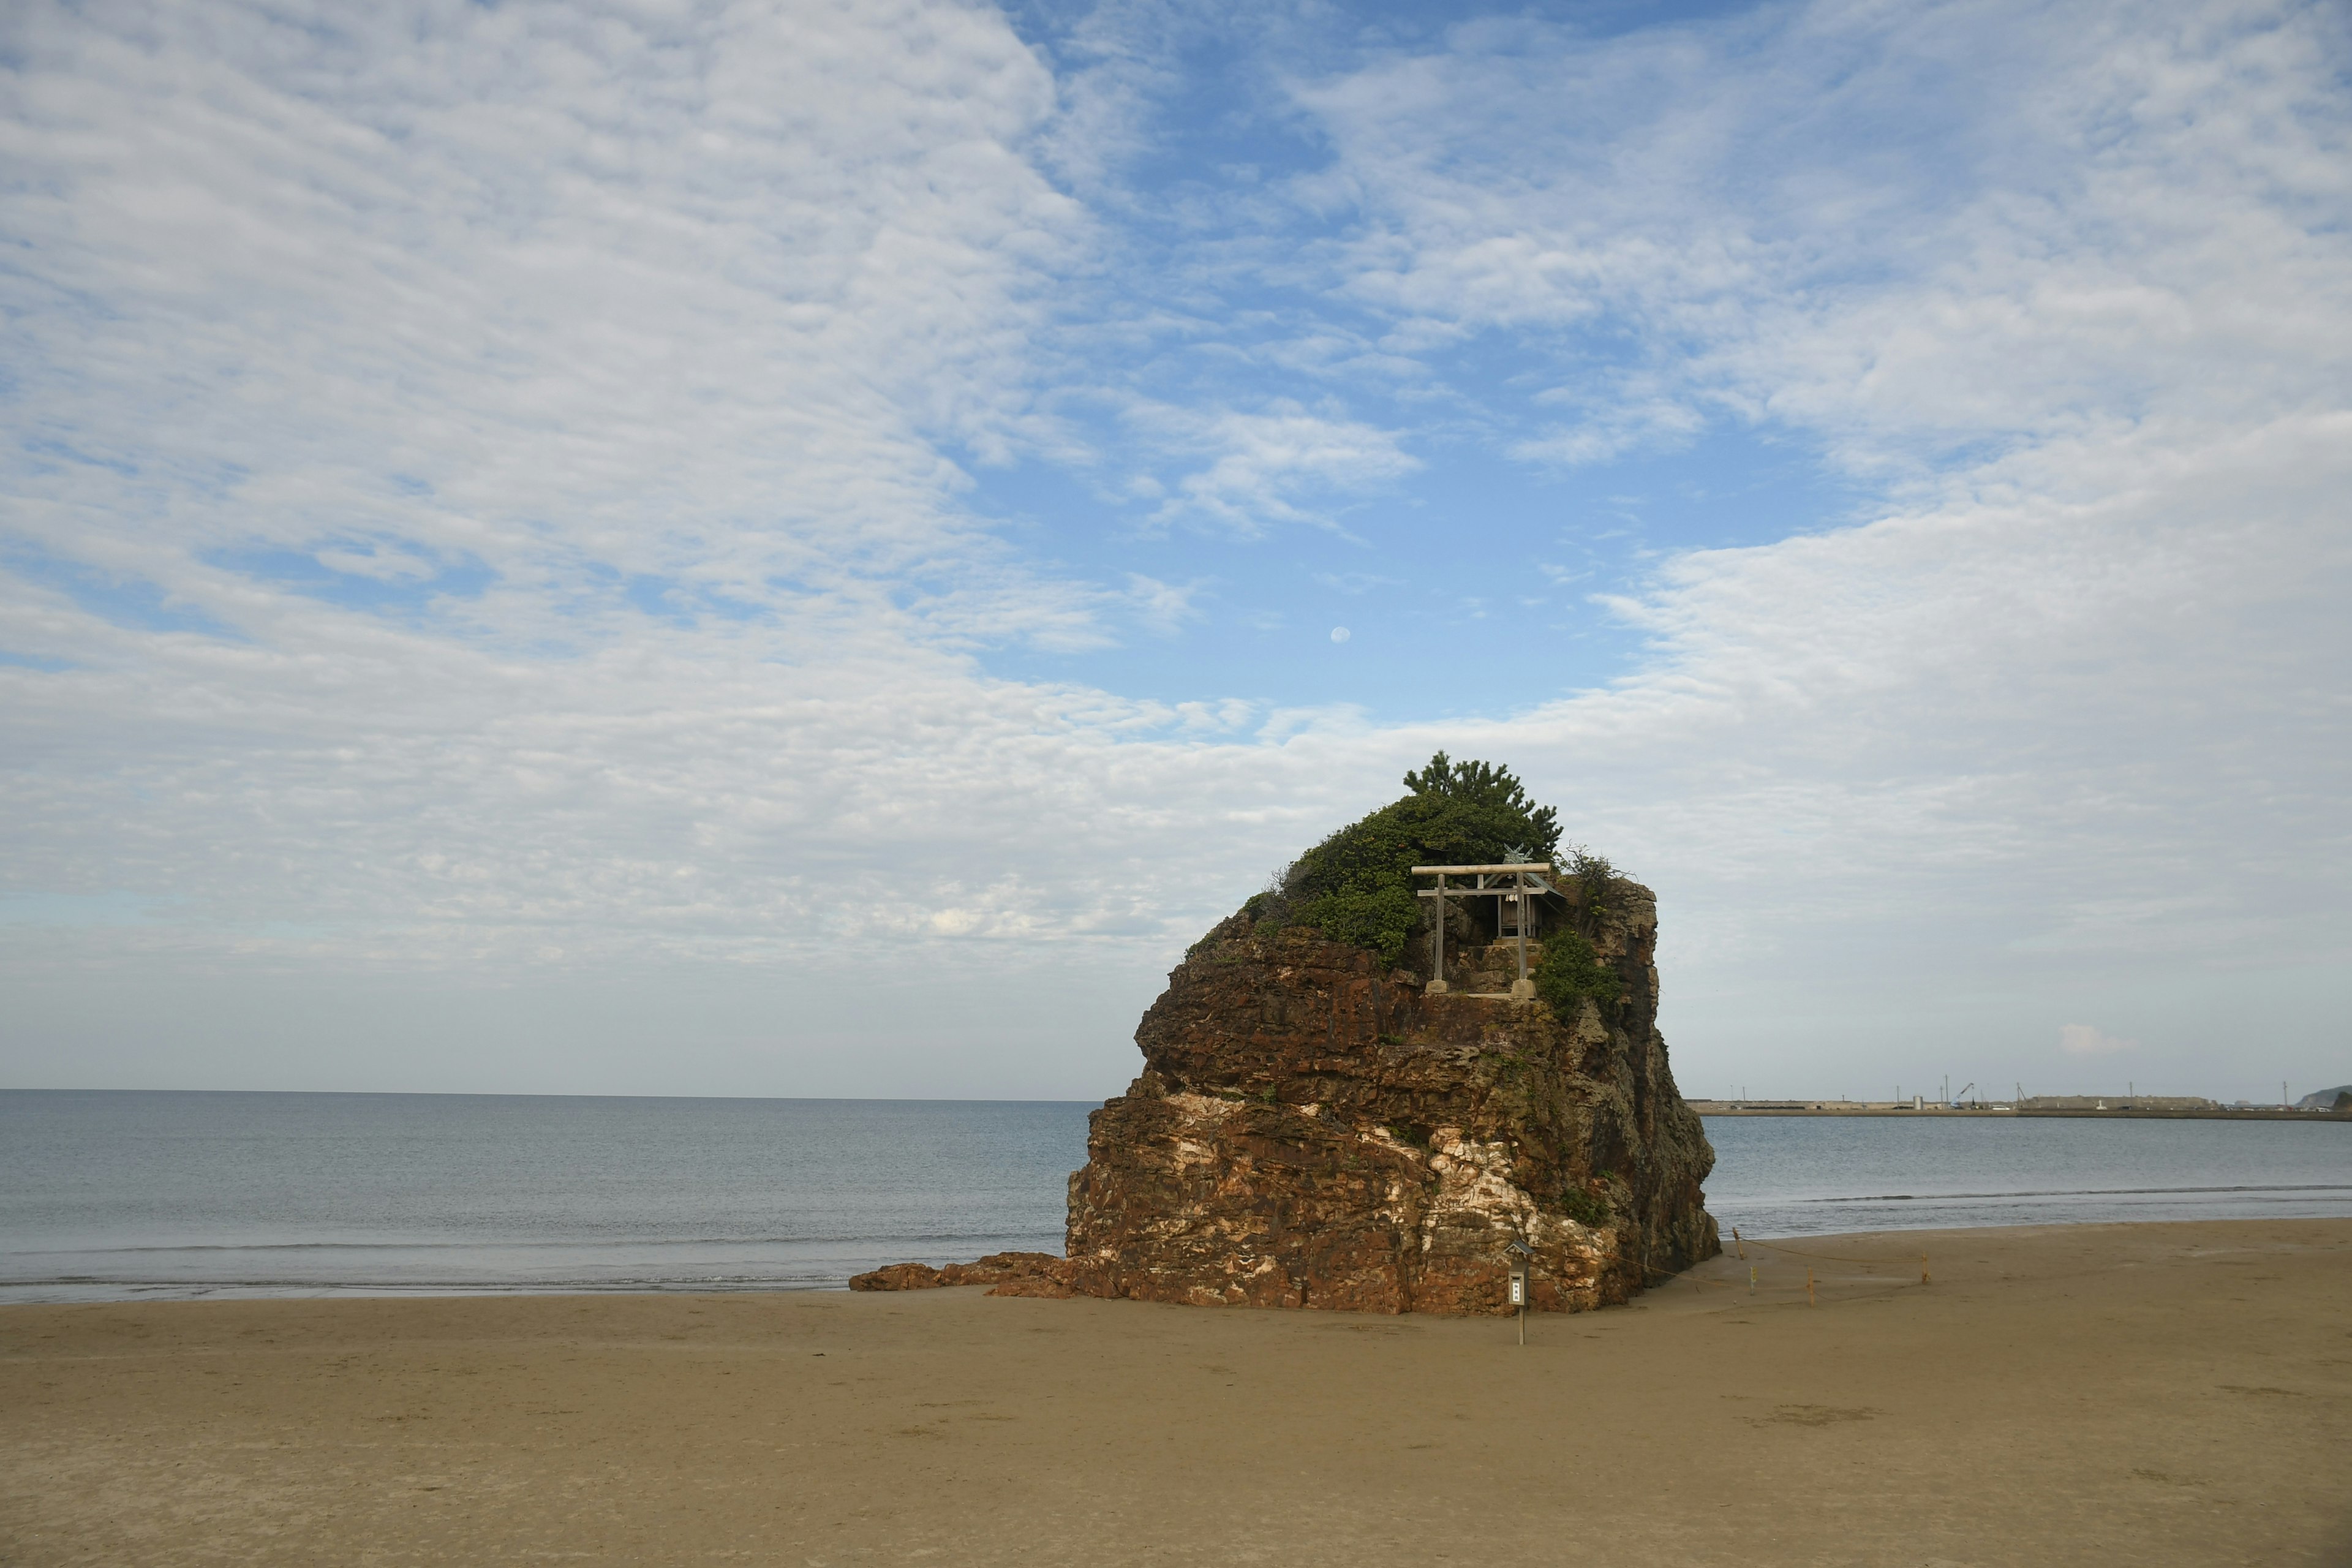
x=1163, y=606
x=698, y=292
x=1355, y=582
x=1284, y=463
x=1621, y=429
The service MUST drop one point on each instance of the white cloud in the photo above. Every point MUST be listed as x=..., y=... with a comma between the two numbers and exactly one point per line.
x=381, y=564
x=1355, y=582
x=494, y=260
x=1620, y=429
x=1908, y=229
x=1161, y=607
x=2082, y=1040
x=1285, y=464
x=2087, y=308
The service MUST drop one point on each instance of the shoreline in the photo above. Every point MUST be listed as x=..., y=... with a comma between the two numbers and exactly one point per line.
x=167, y=1292
x=176, y=1293
x=2160, y=1392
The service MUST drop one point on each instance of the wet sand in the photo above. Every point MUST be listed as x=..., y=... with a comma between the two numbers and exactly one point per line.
x=2158, y=1394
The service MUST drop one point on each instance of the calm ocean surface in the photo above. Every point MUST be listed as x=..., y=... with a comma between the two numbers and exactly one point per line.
x=106, y=1195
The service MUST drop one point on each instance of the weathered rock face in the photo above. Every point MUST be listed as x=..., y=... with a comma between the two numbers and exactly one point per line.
x=1312, y=1130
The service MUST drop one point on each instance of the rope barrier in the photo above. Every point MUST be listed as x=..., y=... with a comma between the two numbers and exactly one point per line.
x=1742, y=1242
x=1822, y=1256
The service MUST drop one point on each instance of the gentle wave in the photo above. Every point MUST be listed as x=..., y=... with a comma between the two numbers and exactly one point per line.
x=157, y=1193
x=932, y=1238
x=1804, y=1175
x=2081, y=1193
x=554, y=1286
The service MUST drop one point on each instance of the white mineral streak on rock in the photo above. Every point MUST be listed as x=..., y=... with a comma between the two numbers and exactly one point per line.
x=1197, y=1149
x=1192, y=1153
x=1474, y=1181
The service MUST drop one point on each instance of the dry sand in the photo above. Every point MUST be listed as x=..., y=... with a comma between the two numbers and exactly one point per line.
x=2160, y=1394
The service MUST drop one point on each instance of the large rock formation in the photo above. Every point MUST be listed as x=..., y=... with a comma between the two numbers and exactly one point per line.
x=1316, y=1128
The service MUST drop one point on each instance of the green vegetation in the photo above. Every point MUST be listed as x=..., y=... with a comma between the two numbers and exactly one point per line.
x=1593, y=874
x=1584, y=1207
x=1569, y=972
x=1357, y=886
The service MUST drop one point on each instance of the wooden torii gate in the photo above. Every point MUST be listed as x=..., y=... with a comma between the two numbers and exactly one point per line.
x=1517, y=881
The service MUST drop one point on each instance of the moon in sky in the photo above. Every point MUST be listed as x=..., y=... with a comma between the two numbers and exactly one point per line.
x=1340, y=633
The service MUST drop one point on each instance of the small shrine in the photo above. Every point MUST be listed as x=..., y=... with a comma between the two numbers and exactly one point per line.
x=1517, y=887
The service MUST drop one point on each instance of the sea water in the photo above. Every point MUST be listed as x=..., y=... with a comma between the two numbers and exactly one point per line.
x=112, y=1194
x=1813, y=1175
x=117, y=1195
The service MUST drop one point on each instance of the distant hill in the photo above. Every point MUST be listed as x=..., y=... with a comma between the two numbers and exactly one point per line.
x=2324, y=1100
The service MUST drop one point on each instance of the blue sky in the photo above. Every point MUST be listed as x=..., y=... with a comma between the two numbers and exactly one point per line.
x=579, y=547
x=1466, y=569
x=1467, y=586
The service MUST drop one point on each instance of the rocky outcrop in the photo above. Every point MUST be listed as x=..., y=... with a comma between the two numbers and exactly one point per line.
x=1313, y=1128
x=896, y=1277
x=1013, y=1274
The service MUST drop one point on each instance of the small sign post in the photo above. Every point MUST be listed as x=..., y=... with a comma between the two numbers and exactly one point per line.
x=1520, y=1253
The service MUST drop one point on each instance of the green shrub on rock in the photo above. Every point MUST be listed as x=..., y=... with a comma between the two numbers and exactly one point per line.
x=1569, y=972
x=1586, y=1207
x=1357, y=884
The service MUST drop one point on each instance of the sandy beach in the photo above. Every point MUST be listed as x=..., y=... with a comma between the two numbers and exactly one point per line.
x=2176, y=1394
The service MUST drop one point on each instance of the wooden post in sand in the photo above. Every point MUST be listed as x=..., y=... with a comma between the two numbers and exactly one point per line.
x=1520, y=1253
x=1809, y=1287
